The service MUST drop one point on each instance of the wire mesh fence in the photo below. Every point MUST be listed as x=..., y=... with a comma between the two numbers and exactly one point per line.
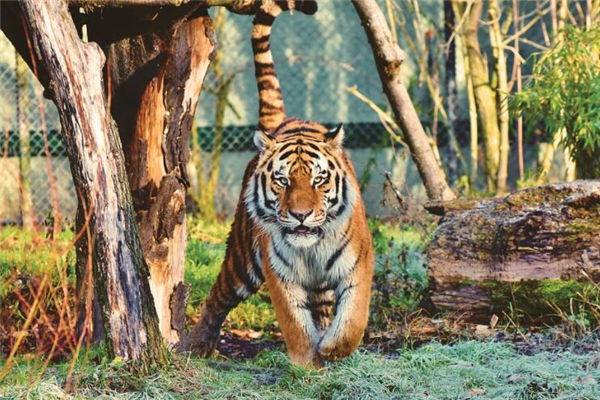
x=35, y=179
x=318, y=58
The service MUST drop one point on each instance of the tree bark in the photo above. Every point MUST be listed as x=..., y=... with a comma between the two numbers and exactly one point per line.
x=235, y=6
x=74, y=69
x=451, y=89
x=156, y=73
x=500, y=69
x=389, y=57
x=545, y=232
x=12, y=27
x=484, y=95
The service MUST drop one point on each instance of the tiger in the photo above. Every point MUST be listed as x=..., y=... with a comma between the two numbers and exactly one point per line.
x=300, y=226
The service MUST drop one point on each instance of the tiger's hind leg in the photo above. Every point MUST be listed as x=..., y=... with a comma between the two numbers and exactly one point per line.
x=240, y=277
x=203, y=338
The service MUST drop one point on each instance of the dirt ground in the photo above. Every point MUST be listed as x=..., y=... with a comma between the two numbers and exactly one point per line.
x=527, y=343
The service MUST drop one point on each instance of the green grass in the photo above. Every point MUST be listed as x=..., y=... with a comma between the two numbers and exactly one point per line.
x=30, y=253
x=466, y=370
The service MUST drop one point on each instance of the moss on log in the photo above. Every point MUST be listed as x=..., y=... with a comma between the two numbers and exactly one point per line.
x=543, y=233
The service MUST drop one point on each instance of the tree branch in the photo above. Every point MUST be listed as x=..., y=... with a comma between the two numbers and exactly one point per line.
x=235, y=6
x=388, y=58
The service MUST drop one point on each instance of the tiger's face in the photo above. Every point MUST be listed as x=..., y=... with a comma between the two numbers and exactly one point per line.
x=300, y=189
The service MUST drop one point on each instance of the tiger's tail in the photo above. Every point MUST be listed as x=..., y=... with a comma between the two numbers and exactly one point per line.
x=271, y=106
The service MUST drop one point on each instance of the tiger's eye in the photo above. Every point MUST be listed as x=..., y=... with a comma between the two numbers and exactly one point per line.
x=282, y=181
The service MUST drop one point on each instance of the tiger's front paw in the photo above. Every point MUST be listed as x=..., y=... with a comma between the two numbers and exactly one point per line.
x=203, y=349
x=201, y=341
x=333, y=349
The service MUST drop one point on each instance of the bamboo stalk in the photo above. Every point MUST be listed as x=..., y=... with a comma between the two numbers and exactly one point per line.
x=484, y=96
x=473, y=127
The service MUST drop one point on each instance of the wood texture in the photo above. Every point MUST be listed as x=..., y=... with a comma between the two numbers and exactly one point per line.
x=389, y=57
x=485, y=97
x=546, y=232
x=74, y=69
x=157, y=69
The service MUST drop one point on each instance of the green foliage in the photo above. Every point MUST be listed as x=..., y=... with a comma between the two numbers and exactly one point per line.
x=564, y=93
x=27, y=252
x=400, y=280
x=532, y=303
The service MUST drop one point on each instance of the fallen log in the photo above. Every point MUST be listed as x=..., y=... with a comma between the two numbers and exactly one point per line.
x=548, y=232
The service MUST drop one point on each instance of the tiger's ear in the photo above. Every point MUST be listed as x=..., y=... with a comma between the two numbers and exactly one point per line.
x=262, y=140
x=335, y=137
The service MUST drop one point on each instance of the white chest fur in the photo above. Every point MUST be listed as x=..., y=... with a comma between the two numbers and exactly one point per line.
x=328, y=261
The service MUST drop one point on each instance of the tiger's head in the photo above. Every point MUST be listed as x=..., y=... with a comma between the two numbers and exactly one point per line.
x=301, y=186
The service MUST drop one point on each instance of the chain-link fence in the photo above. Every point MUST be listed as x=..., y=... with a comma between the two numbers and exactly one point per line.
x=35, y=179
x=318, y=58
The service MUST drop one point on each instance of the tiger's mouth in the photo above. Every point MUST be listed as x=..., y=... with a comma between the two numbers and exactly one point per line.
x=303, y=230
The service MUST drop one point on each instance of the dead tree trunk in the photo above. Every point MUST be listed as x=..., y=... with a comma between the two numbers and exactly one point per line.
x=156, y=72
x=389, y=57
x=546, y=232
x=74, y=69
x=485, y=97
x=451, y=90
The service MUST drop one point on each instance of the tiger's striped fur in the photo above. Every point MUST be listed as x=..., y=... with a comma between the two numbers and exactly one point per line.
x=299, y=225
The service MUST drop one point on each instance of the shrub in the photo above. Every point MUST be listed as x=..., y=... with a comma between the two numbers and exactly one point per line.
x=564, y=93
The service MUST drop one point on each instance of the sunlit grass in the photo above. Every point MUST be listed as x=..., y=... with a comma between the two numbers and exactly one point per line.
x=466, y=370
x=31, y=253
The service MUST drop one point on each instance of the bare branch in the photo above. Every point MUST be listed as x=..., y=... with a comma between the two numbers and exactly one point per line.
x=236, y=6
x=388, y=122
x=388, y=58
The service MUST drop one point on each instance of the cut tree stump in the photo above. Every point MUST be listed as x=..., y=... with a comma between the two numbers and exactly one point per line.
x=157, y=68
x=546, y=232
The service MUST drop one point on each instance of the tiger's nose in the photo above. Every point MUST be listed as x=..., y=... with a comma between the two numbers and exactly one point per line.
x=301, y=215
